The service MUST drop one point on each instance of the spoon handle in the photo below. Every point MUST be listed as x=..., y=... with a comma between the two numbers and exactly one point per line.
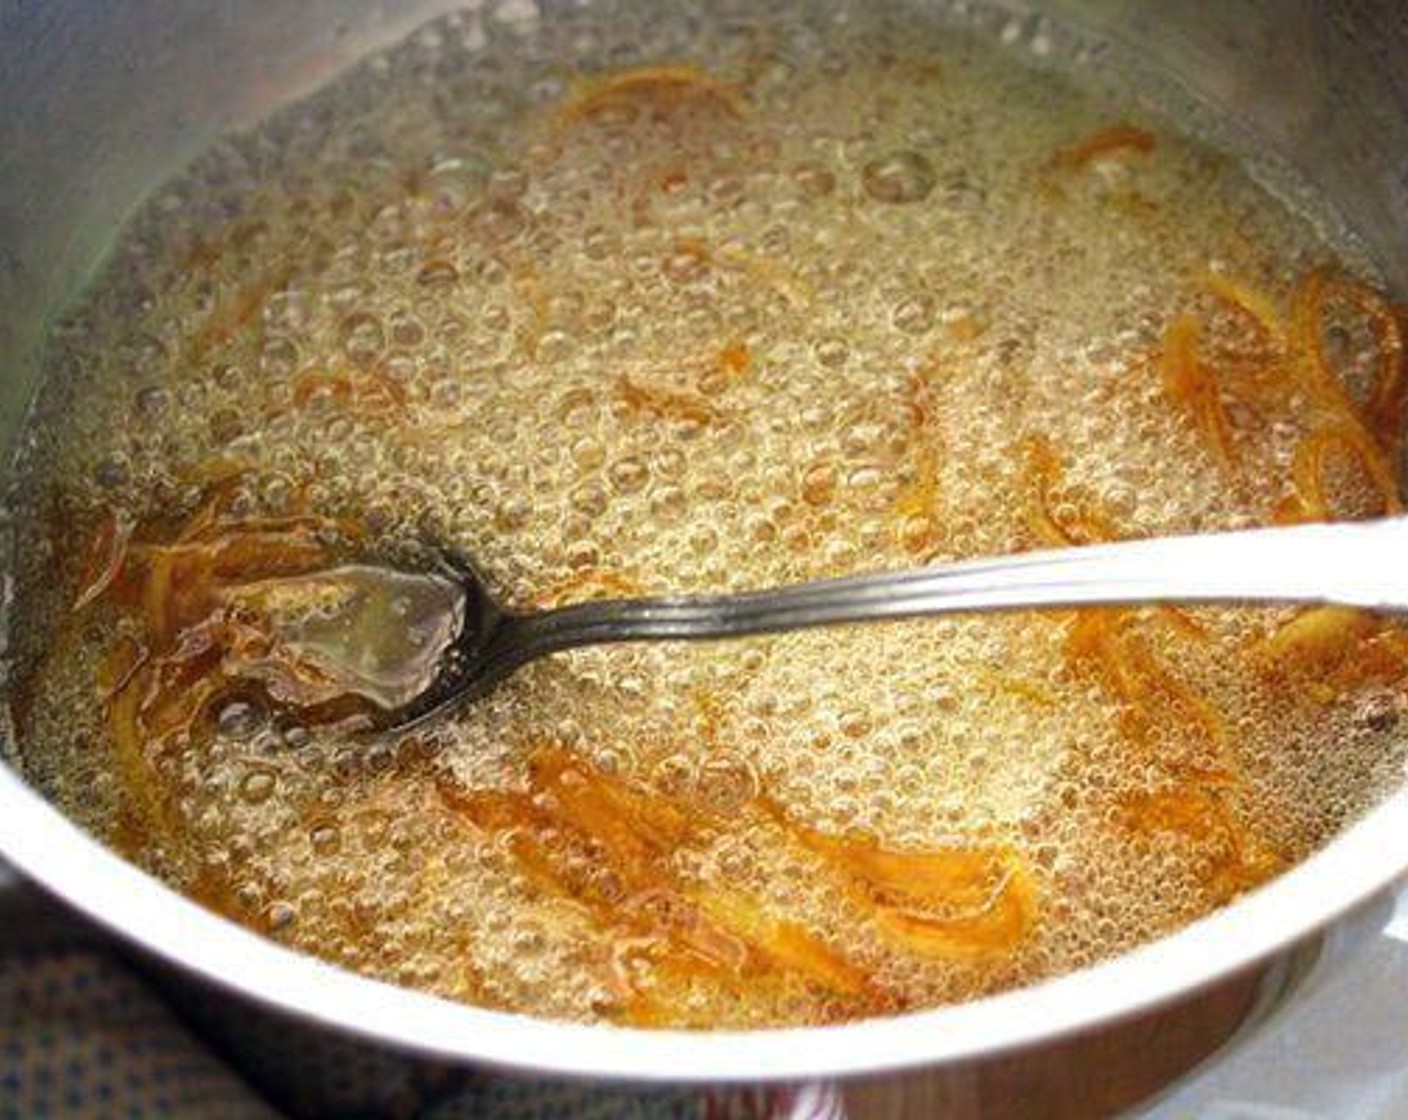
x=1359, y=564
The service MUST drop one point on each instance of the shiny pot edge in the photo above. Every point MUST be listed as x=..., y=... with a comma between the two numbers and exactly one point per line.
x=45, y=845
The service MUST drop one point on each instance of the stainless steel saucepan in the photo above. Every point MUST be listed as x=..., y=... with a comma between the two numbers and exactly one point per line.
x=104, y=101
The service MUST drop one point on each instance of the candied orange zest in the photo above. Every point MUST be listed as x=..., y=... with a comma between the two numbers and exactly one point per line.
x=1396, y=642
x=1155, y=681
x=735, y=359
x=785, y=943
x=632, y=826
x=1183, y=622
x=106, y=554
x=965, y=328
x=1307, y=307
x=1085, y=525
x=1188, y=383
x=710, y=931
x=372, y=394
x=1021, y=687
x=1005, y=920
x=1375, y=440
x=1381, y=658
x=138, y=777
x=1254, y=305
x=198, y=642
x=659, y=87
x=118, y=666
x=958, y=902
x=1101, y=642
x=1319, y=635
x=1093, y=641
x=662, y=403
x=1115, y=140
x=1312, y=456
x=217, y=496
x=232, y=313
x=1240, y=861
x=1383, y=411
x=217, y=471
x=1386, y=399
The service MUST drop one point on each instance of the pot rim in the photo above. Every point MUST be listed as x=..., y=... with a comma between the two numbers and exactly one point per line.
x=59, y=856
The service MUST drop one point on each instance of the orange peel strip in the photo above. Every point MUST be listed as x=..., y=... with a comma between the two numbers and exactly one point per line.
x=1099, y=642
x=1116, y=139
x=107, y=552
x=956, y=902
x=712, y=930
x=667, y=404
x=1044, y=474
x=1187, y=382
x=1379, y=436
x=1312, y=456
x=1319, y=635
x=1241, y=862
x=668, y=86
x=1254, y=305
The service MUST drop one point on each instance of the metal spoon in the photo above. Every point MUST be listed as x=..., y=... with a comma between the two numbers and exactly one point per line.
x=1361, y=564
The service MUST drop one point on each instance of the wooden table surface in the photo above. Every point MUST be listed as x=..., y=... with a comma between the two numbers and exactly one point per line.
x=1083, y=1078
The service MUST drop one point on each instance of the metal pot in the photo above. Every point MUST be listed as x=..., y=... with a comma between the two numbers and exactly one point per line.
x=105, y=101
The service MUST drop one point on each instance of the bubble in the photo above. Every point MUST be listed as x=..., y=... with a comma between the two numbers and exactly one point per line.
x=899, y=177
x=727, y=784
x=286, y=311
x=918, y=533
x=281, y=915
x=589, y=500
x=583, y=554
x=555, y=346
x=913, y=314
x=508, y=182
x=761, y=529
x=249, y=895
x=855, y=725
x=258, y=786
x=628, y=475
x=295, y=735
x=111, y=473
x=673, y=776
x=832, y=352
x=226, y=426
x=668, y=504
x=814, y=179
x=325, y=839
x=437, y=274
x=499, y=221
x=819, y=484
x=599, y=244
x=362, y=337
x=405, y=330
x=152, y=401
x=685, y=264
x=587, y=452
x=238, y=719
